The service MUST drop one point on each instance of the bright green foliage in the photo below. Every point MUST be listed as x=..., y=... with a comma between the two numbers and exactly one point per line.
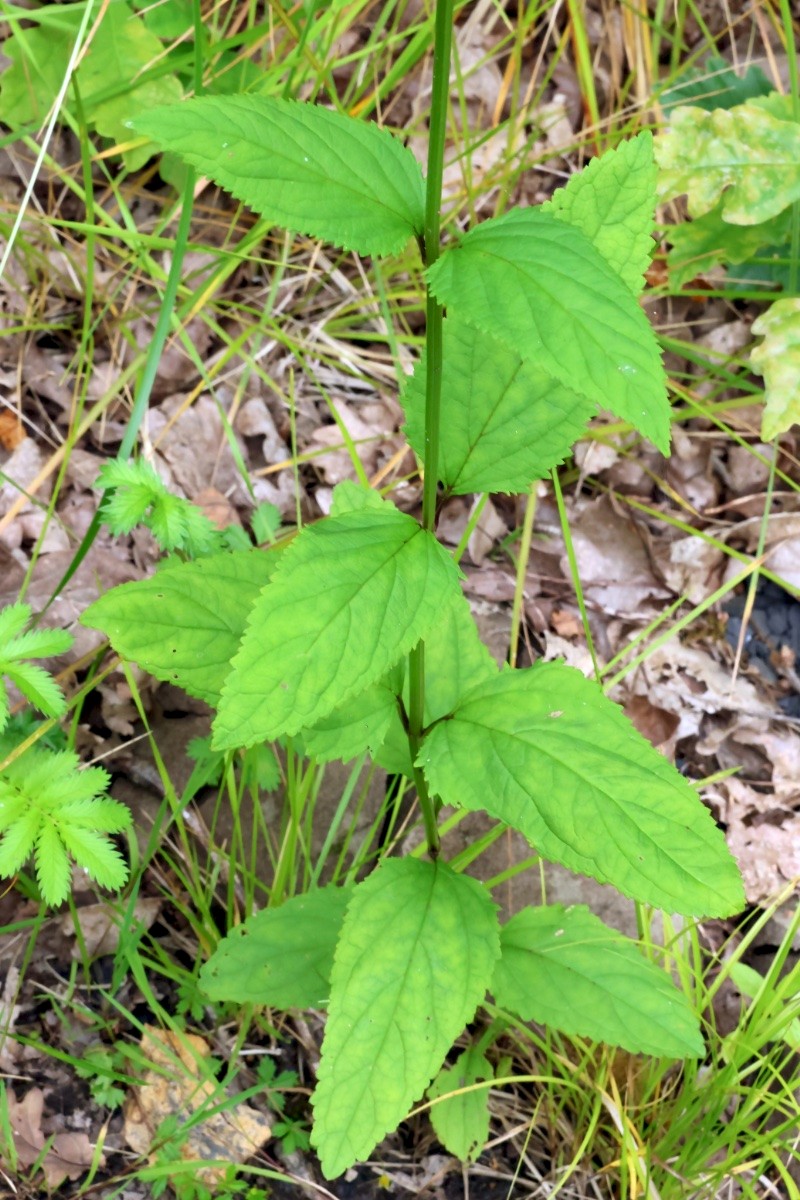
x=372, y=583
x=281, y=956
x=301, y=166
x=612, y=202
x=565, y=968
x=258, y=768
x=358, y=725
x=52, y=809
x=140, y=497
x=15, y=646
x=747, y=157
x=112, y=76
x=461, y=1122
x=778, y=360
x=508, y=422
x=455, y=661
x=414, y=959
x=183, y=625
x=538, y=284
x=715, y=85
x=544, y=751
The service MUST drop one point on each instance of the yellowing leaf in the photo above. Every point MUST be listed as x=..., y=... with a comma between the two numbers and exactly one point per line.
x=748, y=156
x=778, y=360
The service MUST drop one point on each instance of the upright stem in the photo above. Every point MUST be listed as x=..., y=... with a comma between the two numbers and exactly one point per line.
x=433, y=344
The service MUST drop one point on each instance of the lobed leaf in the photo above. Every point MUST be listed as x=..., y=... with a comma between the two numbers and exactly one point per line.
x=282, y=956
x=508, y=422
x=539, y=285
x=351, y=596
x=414, y=958
x=612, y=201
x=301, y=166
x=778, y=360
x=184, y=624
x=546, y=752
x=564, y=968
x=747, y=158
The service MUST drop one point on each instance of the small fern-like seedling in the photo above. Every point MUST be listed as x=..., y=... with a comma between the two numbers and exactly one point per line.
x=140, y=497
x=54, y=810
x=15, y=646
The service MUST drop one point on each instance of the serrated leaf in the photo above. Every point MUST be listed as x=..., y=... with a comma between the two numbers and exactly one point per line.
x=282, y=956
x=714, y=85
x=546, y=752
x=301, y=166
x=53, y=872
x=351, y=596
x=357, y=725
x=612, y=201
x=38, y=687
x=745, y=157
x=455, y=661
x=778, y=360
x=414, y=958
x=508, y=422
x=184, y=624
x=539, y=285
x=564, y=968
x=461, y=1122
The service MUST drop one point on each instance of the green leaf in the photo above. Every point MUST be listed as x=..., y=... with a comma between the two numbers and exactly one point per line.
x=778, y=360
x=546, y=752
x=700, y=245
x=508, y=422
x=612, y=201
x=15, y=645
x=301, y=166
x=461, y=1122
x=714, y=85
x=281, y=956
x=539, y=285
x=351, y=596
x=455, y=661
x=183, y=625
x=52, y=808
x=413, y=962
x=564, y=968
x=112, y=119
x=357, y=725
x=37, y=686
x=745, y=157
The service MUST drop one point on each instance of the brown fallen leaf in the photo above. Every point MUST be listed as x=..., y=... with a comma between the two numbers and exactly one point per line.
x=12, y=431
x=100, y=925
x=178, y=1086
x=69, y=1154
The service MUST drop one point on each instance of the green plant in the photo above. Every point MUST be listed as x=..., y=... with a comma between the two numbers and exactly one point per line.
x=357, y=638
x=739, y=169
x=50, y=807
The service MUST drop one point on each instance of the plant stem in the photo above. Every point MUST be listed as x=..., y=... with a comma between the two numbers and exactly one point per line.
x=433, y=391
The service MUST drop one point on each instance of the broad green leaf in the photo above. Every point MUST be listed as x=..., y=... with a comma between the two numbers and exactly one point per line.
x=461, y=1122
x=359, y=724
x=508, y=422
x=778, y=360
x=352, y=497
x=714, y=85
x=281, y=956
x=745, y=156
x=301, y=166
x=112, y=118
x=455, y=661
x=613, y=202
x=564, y=968
x=546, y=752
x=539, y=285
x=184, y=624
x=700, y=245
x=414, y=959
x=352, y=595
